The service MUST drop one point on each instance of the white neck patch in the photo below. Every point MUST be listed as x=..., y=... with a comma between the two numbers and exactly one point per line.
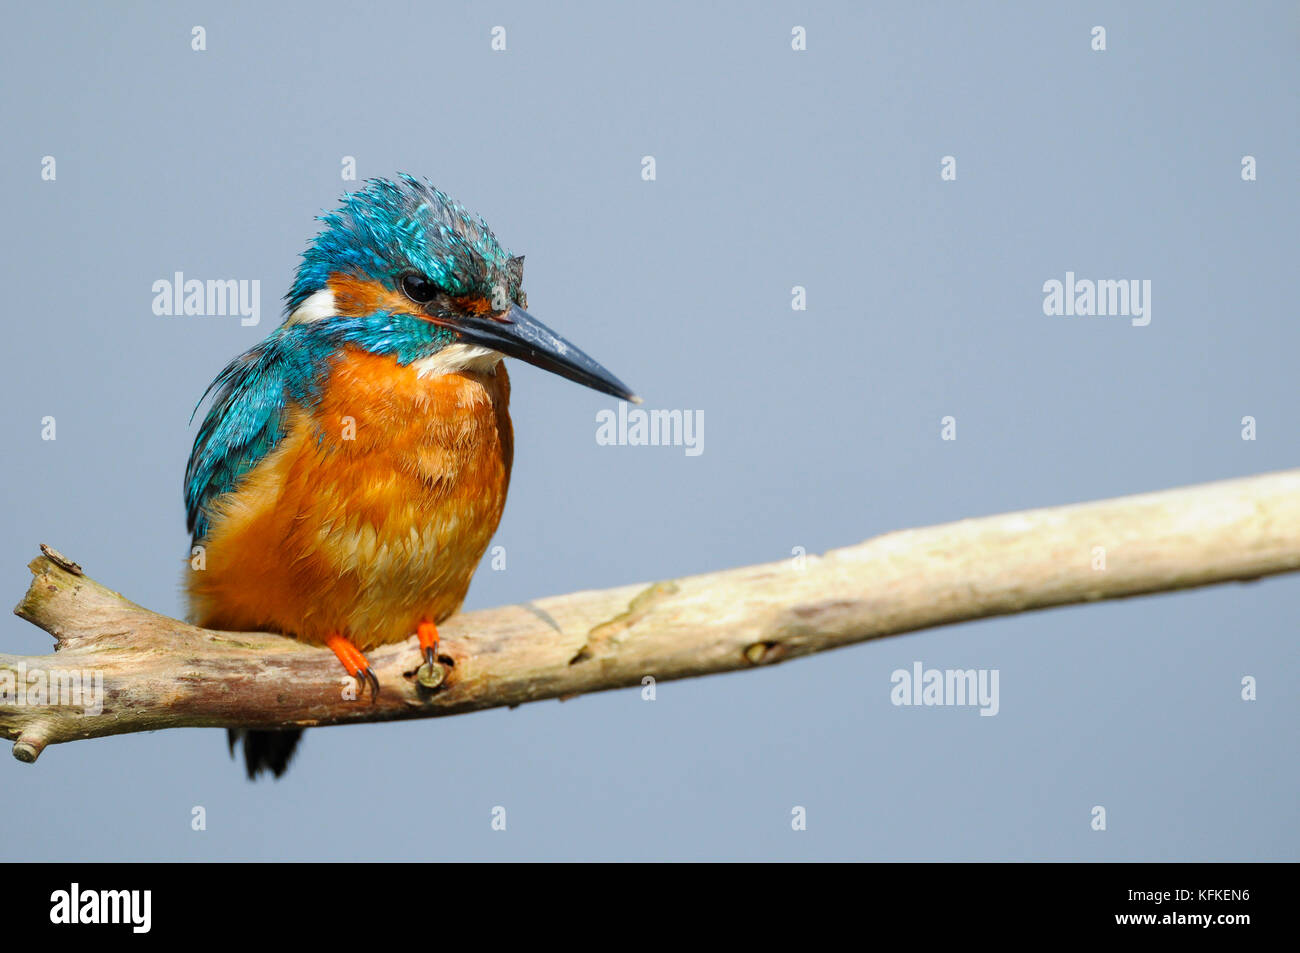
x=316, y=308
x=459, y=357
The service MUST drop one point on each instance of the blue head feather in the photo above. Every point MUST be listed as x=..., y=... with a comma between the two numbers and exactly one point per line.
x=390, y=228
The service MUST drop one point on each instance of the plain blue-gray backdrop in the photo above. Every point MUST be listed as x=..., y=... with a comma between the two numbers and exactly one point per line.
x=775, y=168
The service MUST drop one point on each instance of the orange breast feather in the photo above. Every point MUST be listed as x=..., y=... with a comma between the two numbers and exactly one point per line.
x=372, y=513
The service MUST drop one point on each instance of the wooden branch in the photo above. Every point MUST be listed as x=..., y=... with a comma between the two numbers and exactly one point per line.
x=160, y=673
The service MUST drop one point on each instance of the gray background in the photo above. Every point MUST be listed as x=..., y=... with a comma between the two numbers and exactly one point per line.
x=775, y=169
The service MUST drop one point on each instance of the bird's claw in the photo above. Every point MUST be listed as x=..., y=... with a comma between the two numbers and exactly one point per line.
x=355, y=664
x=366, y=676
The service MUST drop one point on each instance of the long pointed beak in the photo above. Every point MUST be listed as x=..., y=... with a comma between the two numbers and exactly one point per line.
x=517, y=333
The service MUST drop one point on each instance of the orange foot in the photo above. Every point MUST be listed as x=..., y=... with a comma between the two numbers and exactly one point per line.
x=428, y=635
x=356, y=665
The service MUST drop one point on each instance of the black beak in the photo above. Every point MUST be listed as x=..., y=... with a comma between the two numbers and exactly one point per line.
x=517, y=333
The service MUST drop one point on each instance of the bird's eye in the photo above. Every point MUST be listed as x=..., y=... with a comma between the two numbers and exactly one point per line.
x=418, y=288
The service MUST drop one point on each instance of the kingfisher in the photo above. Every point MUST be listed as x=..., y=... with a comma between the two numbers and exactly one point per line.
x=352, y=467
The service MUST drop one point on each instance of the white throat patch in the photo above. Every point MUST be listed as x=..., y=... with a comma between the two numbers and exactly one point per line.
x=459, y=357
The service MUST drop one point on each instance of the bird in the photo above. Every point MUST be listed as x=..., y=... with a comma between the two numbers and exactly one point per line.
x=352, y=467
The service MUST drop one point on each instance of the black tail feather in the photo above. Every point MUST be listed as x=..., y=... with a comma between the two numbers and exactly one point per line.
x=265, y=750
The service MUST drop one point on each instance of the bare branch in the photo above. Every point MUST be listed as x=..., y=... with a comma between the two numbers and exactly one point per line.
x=161, y=673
